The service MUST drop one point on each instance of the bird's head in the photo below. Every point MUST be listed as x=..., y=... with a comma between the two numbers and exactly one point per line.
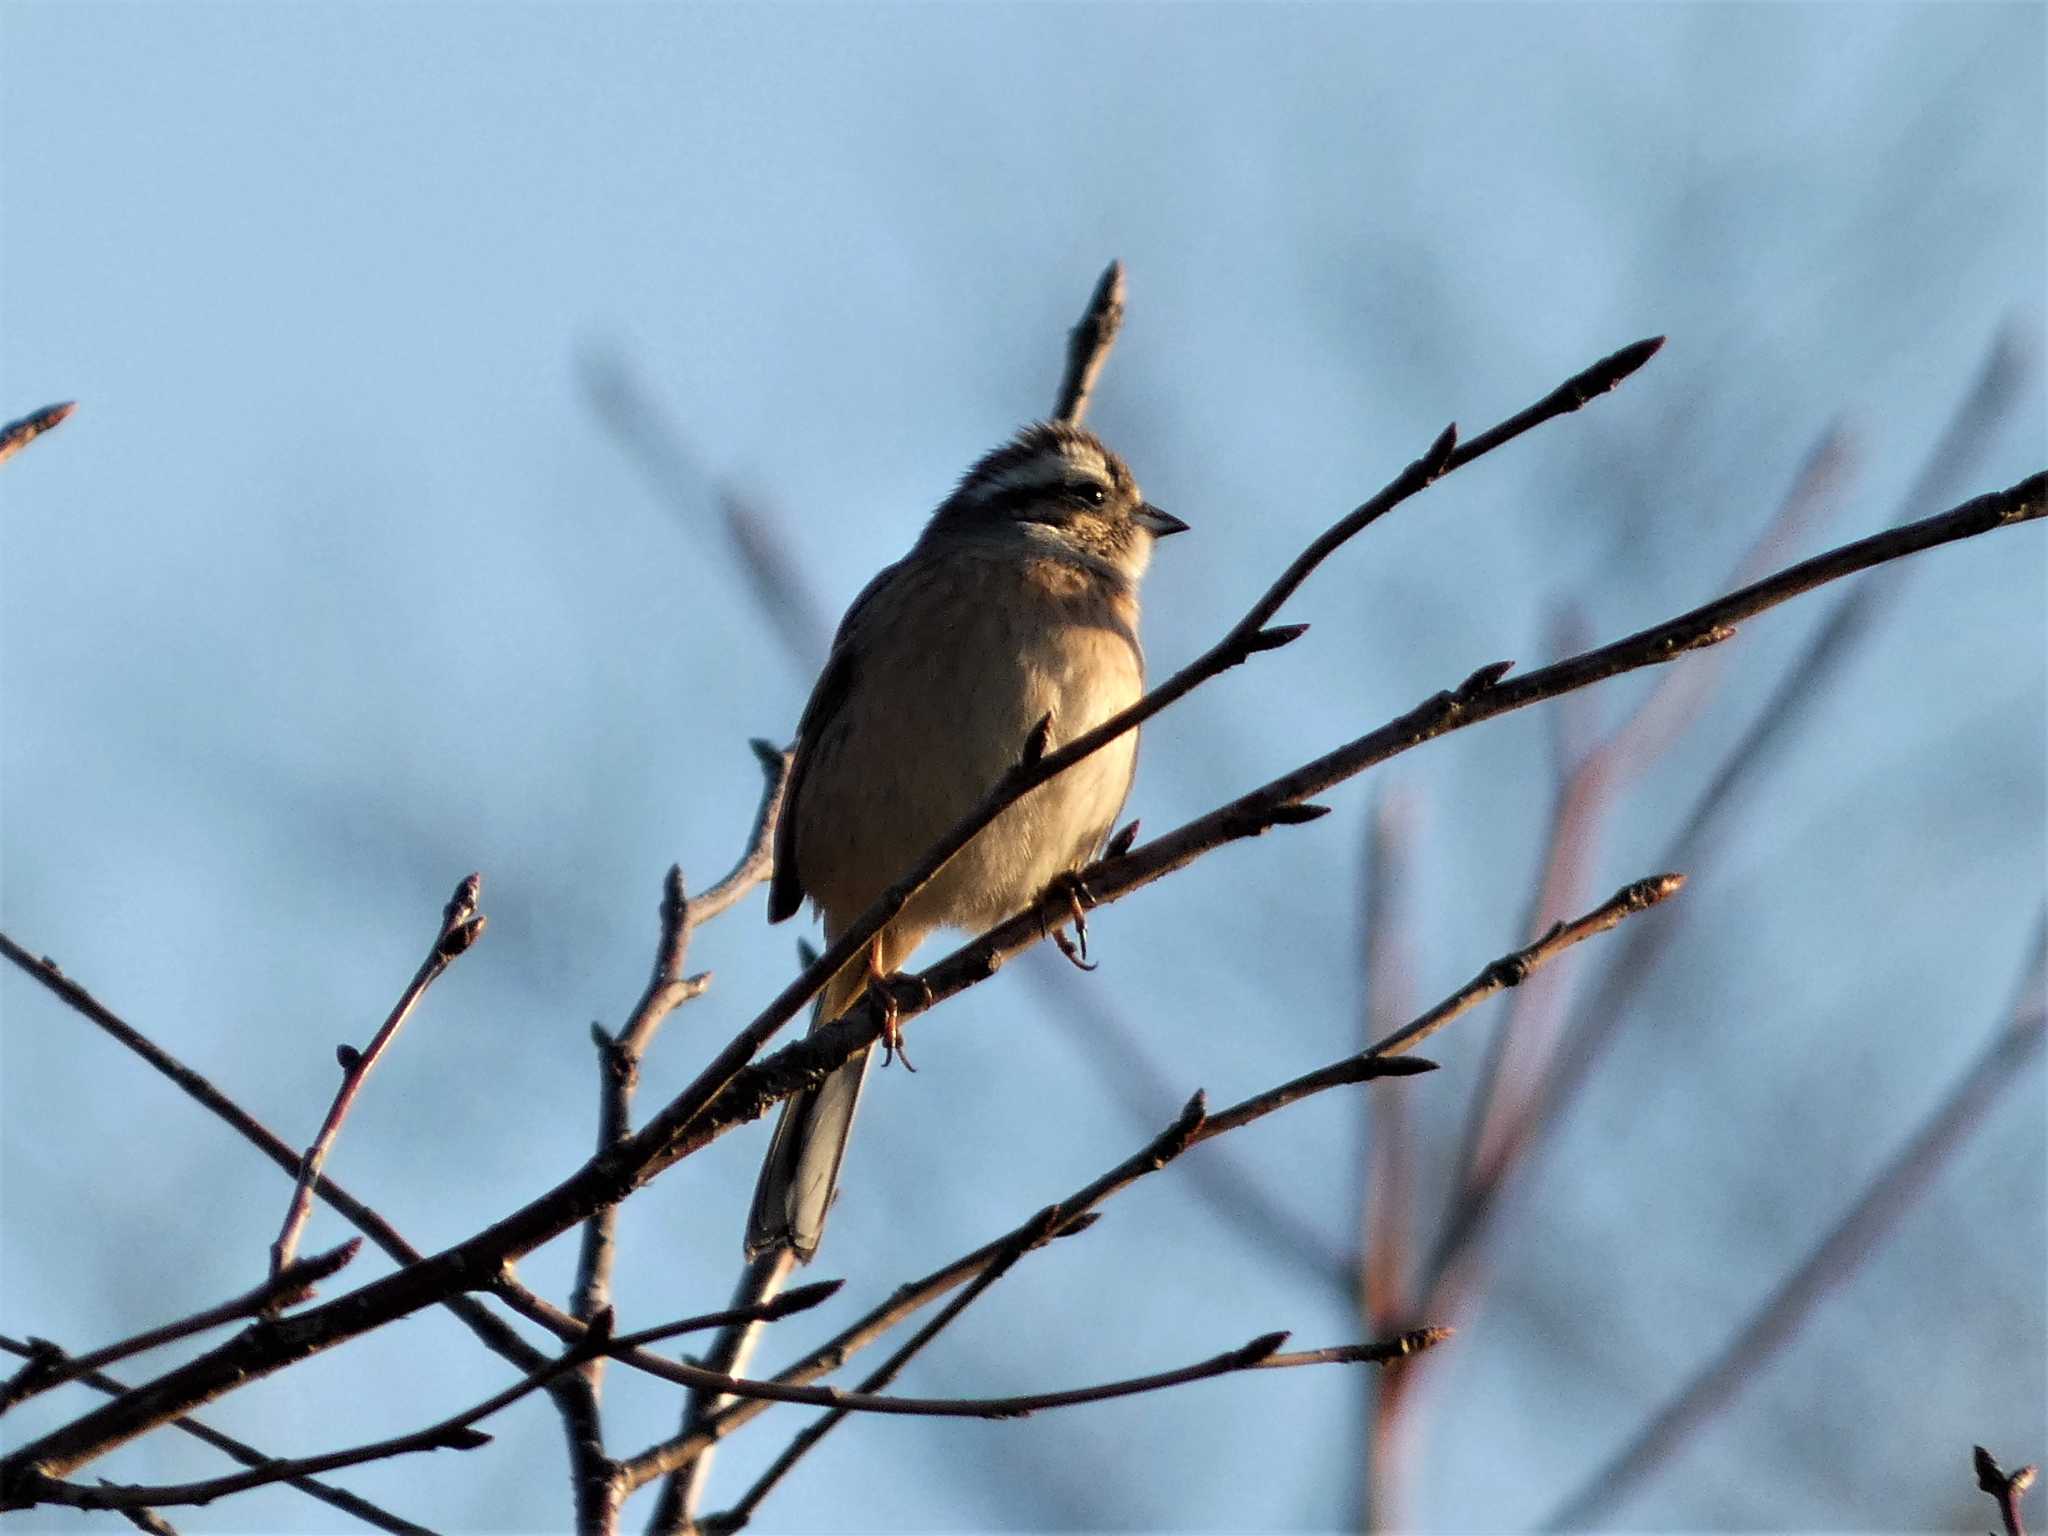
x=1059, y=487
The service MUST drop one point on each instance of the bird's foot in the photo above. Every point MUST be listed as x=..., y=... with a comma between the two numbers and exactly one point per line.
x=1069, y=888
x=896, y=992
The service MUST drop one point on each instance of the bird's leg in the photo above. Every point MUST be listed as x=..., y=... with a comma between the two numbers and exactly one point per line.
x=1079, y=900
x=892, y=990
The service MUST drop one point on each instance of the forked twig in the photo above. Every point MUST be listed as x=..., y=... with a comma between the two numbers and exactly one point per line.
x=2007, y=1488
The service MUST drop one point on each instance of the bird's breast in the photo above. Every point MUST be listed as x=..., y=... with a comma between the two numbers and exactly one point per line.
x=939, y=709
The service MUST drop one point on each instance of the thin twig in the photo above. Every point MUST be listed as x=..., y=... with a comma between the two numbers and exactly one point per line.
x=691, y=1119
x=2008, y=365
x=1522, y=1044
x=1387, y=1205
x=1032, y=1234
x=2007, y=1489
x=490, y=1330
x=592, y=1472
x=454, y=1433
x=289, y=1286
x=1838, y=1255
x=17, y=435
x=461, y=926
x=1089, y=342
x=1261, y=1351
x=1194, y=1125
x=240, y=1450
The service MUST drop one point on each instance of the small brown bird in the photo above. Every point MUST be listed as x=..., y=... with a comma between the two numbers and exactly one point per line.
x=1020, y=601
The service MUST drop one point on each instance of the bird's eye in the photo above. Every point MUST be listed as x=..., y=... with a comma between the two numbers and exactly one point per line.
x=1089, y=493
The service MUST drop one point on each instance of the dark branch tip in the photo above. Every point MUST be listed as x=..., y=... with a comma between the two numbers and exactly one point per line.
x=462, y=1439
x=1481, y=680
x=1437, y=458
x=1401, y=1066
x=1989, y=1478
x=1264, y=1347
x=1120, y=843
x=1036, y=743
x=801, y=1298
x=1619, y=365
x=1273, y=637
x=1298, y=814
x=347, y=1055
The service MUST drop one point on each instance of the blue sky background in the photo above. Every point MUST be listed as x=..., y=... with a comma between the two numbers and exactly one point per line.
x=338, y=587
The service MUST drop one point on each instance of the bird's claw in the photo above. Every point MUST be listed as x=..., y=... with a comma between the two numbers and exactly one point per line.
x=1079, y=900
x=896, y=992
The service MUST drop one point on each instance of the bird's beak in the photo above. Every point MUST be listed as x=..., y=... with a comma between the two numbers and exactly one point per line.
x=1155, y=522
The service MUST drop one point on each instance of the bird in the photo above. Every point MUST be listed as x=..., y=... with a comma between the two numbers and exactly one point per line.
x=1014, y=613
x=1012, y=620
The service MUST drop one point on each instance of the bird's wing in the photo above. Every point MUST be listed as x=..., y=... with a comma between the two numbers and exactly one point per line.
x=828, y=694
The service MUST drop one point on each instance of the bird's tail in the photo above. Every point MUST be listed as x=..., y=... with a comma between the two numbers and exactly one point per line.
x=801, y=1172
x=794, y=1192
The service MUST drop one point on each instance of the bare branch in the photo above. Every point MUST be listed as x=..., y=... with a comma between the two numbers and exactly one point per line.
x=665, y=1458
x=489, y=1329
x=1523, y=1041
x=289, y=1286
x=690, y=1119
x=17, y=435
x=1089, y=342
x=461, y=926
x=576, y=1396
x=797, y=1299
x=1193, y=1126
x=450, y=1434
x=240, y=1450
x=1858, y=1234
x=1032, y=1234
x=2007, y=1489
x=668, y=988
x=2008, y=366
